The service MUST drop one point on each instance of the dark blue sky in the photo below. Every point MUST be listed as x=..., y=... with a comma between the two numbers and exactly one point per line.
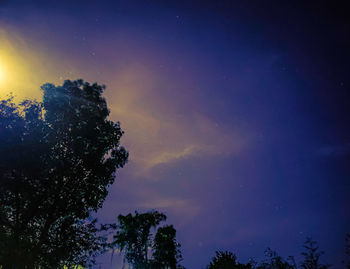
x=235, y=112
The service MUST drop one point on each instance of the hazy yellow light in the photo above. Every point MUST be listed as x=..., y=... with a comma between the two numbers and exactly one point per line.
x=24, y=69
x=2, y=79
x=16, y=69
x=2, y=75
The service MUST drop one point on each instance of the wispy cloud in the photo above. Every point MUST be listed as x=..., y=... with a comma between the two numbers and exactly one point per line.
x=158, y=134
x=186, y=208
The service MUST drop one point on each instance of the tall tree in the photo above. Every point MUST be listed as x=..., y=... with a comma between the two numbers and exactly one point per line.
x=312, y=255
x=134, y=236
x=166, y=250
x=57, y=158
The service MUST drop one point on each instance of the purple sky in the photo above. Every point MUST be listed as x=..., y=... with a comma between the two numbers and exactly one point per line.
x=235, y=115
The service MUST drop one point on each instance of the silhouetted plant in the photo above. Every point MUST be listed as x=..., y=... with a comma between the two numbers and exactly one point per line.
x=57, y=159
x=226, y=260
x=274, y=261
x=166, y=250
x=134, y=236
x=312, y=255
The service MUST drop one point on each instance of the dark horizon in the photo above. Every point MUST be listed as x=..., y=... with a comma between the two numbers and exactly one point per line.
x=235, y=113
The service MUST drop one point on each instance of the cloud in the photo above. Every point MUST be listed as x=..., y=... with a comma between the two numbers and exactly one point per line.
x=167, y=156
x=156, y=134
x=186, y=208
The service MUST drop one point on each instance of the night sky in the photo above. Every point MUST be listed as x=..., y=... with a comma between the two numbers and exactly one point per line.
x=236, y=113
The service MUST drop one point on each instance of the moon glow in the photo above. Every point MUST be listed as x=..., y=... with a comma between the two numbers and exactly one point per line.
x=2, y=73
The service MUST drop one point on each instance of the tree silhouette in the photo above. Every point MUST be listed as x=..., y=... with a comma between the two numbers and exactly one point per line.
x=166, y=250
x=274, y=261
x=57, y=158
x=134, y=236
x=312, y=256
x=226, y=260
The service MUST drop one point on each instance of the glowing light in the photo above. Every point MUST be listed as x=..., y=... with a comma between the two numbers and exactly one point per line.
x=24, y=69
x=2, y=74
x=17, y=63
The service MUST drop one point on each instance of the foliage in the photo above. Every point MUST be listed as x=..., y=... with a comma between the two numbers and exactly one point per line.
x=57, y=159
x=226, y=260
x=166, y=250
x=135, y=239
x=274, y=261
x=134, y=236
x=312, y=255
